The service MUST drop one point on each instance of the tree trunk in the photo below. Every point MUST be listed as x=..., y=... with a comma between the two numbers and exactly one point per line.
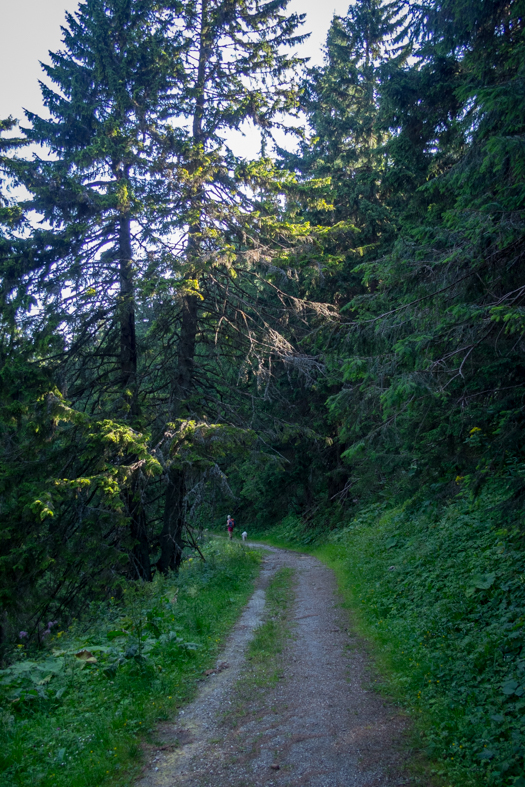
x=140, y=560
x=173, y=523
x=126, y=308
x=171, y=536
x=186, y=354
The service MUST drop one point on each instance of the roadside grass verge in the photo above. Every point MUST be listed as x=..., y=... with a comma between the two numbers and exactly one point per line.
x=74, y=714
x=440, y=594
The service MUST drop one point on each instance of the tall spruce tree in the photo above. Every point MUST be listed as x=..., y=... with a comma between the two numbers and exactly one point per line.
x=98, y=190
x=21, y=382
x=343, y=156
x=434, y=355
x=237, y=70
x=101, y=195
x=341, y=102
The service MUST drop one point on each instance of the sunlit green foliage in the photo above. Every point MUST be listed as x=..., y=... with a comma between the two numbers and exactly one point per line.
x=71, y=712
x=294, y=338
x=441, y=591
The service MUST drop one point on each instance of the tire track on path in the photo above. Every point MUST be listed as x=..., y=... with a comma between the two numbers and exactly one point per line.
x=320, y=726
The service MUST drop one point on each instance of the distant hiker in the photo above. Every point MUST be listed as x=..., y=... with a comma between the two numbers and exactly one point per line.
x=230, y=524
x=244, y=535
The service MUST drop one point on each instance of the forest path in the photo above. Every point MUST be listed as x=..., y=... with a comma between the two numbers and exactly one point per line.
x=319, y=726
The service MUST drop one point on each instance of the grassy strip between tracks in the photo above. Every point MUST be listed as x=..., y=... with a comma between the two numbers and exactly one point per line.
x=270, y=637
x=264, y=662
x=73, y=715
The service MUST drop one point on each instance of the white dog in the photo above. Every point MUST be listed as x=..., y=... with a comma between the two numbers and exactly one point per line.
x=244, y=535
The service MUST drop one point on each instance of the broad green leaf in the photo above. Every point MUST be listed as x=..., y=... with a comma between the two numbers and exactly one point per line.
x=509, y=687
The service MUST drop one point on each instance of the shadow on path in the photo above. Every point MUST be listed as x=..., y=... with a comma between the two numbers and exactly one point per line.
x=320, y=726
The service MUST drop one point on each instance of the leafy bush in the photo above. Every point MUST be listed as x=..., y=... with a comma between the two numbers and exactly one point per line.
x=442, y=592
x=71, y=713
x=292, y=529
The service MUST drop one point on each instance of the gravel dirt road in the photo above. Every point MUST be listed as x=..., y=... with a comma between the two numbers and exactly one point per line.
x=321, y=725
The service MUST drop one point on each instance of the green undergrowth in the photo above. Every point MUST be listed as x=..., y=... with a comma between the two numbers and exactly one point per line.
x=292, y=533
x=73, y=714
x=440, y=591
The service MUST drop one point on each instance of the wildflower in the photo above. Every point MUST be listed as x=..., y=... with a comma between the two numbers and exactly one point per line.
x=23, y=634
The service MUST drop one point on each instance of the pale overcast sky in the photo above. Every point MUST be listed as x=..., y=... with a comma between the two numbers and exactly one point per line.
x=30, y=28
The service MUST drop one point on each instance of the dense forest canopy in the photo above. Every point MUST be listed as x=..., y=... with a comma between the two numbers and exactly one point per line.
x=184, y=332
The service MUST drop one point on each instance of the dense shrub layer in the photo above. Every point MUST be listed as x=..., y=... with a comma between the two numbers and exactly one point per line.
x=441, y=591
x=72, y=713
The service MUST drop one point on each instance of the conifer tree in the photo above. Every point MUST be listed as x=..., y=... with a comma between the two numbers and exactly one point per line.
x=101, y=194
x=352, y=221
x=237, y=70
x=23, y=381
x=341, y=101
x=112, y=94
x=433, y=354
x=344, y=146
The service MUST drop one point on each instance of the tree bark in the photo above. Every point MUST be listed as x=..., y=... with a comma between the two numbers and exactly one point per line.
x=173, y=521
x=140, y=559
x=174, y=518
x=171, y=545
x=128, y=337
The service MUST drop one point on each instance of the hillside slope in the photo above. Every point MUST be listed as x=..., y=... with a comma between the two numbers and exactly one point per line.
x=440, y=591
